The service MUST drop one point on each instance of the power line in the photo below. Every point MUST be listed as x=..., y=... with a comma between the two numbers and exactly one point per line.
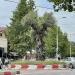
x=43, y=7
x=11, y=1
x=35, y=6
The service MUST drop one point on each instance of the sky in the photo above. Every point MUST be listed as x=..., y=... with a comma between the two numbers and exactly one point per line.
x=6, y=10
x=66, y=20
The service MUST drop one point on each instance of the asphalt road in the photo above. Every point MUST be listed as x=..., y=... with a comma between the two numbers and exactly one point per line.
x=48, y=72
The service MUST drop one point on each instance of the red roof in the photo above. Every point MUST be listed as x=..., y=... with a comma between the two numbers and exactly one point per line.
x=2, y=29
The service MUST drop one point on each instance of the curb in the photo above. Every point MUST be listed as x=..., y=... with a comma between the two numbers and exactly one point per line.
x=13, y=69
x=34, y=67
x=9, y=72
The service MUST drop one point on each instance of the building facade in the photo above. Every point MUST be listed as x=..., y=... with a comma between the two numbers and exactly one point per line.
x=3, y=41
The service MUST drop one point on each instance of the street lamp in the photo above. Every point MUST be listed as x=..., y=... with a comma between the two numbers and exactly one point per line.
x=70, y=45
x=57, y=39
x=57, y=44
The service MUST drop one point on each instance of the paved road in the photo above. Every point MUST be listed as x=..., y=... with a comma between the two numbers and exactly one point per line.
x=48, y=72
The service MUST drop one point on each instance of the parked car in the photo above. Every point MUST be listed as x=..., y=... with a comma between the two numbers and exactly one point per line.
x=70, y=62
x=0, y=63
x=7, y=61
x=4, y=61
x=13, y=55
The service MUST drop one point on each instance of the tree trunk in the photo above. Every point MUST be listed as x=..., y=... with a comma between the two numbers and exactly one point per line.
x=39, y=48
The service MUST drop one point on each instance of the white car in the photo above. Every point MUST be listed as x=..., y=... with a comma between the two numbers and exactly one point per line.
x=70, y=62
x=0, y=63
x=6, y=61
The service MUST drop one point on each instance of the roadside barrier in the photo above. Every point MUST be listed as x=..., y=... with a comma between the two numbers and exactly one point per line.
x=24, y=66
x=13, y=69
x=35, y=67
x=55, y=66
x=8, y=72
x=40, y=66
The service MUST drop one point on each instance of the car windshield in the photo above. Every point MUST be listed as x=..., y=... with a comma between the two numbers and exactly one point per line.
x=70, y=58
x=73, y=58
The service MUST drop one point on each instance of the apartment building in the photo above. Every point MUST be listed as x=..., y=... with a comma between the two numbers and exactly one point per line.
x=3, y=41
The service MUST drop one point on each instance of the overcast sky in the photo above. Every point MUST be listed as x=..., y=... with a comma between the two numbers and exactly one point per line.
x=66, y=20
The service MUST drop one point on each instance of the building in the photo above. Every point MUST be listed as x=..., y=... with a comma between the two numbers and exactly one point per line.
x=3, y=41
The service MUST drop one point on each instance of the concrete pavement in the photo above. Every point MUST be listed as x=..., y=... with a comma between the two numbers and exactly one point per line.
x=48, y=72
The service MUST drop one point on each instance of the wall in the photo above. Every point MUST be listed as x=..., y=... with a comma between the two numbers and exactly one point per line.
x=3, y=42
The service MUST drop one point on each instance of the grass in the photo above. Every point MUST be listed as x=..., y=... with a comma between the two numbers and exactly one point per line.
x=36, y=62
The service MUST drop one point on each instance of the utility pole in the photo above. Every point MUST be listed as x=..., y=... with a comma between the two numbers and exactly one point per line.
x=70, y=45
x=57, y=44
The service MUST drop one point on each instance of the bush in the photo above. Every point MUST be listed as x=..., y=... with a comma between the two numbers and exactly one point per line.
x=37, y=62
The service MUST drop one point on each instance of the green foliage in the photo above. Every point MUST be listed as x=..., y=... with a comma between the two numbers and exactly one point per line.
x=63, y=44
x=72, y=49
x=30, y=19
x=26, y=24
x=49, y=19
x=51, y=42
x=37, y=62
x=39, y=26
x=65, y=4
x=56, y=2
x=19, y=37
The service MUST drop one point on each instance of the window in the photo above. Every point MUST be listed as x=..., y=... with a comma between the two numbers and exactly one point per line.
x=69, y=59
x=0, y=34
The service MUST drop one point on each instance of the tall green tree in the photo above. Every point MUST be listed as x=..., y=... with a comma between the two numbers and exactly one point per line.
x=51, y=42
x=63, y=44
x=72, y=49
x=39, y=26
x=19, y=37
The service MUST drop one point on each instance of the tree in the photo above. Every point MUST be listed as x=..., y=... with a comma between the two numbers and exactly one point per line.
x=72, y=49
x=63, y=4
x=51, y=42
x=39, y=26
x=63, y=44
x=19, y=37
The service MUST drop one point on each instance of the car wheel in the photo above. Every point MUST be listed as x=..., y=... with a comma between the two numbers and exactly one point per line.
x=0, y=67
x=71, y=66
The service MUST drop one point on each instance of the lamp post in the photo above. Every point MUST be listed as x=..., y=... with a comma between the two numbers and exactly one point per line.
x=57, y=40
x=70, y=45
x=57, y=44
